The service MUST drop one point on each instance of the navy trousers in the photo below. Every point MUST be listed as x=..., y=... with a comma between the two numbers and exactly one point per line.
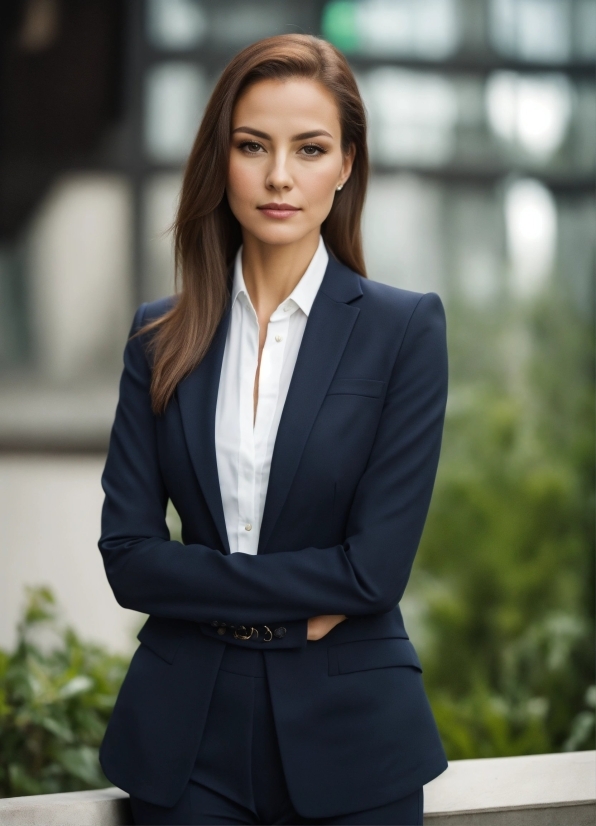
x=238, y=775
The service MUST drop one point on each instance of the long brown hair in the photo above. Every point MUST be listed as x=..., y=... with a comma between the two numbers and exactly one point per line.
x=206, y=233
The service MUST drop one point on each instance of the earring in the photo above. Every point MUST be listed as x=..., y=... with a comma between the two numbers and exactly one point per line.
x=339, y=187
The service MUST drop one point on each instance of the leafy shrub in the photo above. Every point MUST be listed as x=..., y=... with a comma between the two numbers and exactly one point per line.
x=504, y=580
x=56, y=695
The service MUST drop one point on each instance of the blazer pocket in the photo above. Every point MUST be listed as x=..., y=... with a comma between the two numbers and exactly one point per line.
x=161, y=637
x=356, y=387
x=364, y=655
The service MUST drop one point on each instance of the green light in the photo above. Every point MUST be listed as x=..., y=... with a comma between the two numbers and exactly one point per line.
x=339, y=25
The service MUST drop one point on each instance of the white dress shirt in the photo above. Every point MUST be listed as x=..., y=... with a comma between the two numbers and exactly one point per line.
x=244, y=450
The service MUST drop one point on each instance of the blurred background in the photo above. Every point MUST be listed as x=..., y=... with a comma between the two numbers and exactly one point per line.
x=482, y=136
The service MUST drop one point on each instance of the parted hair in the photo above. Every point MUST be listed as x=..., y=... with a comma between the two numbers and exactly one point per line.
x=207, y=235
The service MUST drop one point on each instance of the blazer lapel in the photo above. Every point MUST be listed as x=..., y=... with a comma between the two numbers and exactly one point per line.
x=197, y=395
x=325, y=336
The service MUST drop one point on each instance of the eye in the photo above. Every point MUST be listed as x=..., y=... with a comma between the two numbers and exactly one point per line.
x=250, y=147
x=311, y=150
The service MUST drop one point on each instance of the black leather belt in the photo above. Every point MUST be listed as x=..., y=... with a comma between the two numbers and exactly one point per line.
x=250, y=632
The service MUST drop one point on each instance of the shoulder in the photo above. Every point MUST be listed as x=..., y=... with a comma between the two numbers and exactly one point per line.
x=396, y=306
x=152, y=310
x=148, y=312
x=138, y=346
x=155, y=309
x=383, y=310
x=379, y=295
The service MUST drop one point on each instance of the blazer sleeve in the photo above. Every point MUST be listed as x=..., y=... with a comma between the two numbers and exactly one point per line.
x=367, y=574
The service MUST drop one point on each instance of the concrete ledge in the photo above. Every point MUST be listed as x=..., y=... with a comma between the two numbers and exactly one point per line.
x=100, y=807
x=534, y=790
x=537, y=790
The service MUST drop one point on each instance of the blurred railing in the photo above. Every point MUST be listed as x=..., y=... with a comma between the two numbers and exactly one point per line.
x=537, y=790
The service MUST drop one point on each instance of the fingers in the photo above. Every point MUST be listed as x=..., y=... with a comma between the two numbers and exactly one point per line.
x=320, y=626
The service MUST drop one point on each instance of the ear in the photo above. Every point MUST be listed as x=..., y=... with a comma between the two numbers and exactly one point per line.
x=348, y=162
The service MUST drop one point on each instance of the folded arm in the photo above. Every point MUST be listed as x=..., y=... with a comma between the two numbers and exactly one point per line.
x=367, y=574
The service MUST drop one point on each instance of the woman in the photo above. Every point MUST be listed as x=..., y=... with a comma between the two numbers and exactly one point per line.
x=292, y=411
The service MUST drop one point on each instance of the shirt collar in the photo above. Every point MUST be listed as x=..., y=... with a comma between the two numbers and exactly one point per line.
x=305, y=291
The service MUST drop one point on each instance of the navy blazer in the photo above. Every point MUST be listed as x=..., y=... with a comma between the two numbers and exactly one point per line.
x=351, y=479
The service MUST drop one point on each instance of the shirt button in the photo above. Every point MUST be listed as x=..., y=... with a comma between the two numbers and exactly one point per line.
x=278, y=338
x=248, y=527
x=287, y=308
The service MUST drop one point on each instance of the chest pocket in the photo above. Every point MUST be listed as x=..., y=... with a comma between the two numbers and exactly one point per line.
x=356, y=387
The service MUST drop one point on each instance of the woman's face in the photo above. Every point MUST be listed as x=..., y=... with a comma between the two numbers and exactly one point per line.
x=285, y=152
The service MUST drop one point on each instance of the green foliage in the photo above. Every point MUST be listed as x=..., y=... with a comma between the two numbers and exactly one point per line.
x=505, y=573
x=56, y=695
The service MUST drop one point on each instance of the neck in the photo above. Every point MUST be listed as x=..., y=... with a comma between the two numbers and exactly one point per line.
x=271, y=272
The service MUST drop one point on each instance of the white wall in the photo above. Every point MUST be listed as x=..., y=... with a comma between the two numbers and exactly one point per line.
x=49, y=526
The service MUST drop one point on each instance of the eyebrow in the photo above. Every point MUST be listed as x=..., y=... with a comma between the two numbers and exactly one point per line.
x=316, y=133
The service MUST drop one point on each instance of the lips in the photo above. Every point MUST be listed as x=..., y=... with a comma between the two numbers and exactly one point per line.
x=275, y=210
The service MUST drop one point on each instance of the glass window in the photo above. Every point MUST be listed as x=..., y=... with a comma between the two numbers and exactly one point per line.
x=576, y=250
x=473, y=226
x=238, y=24
x=533, y=111
x=412, y=116
x=176, y=24
x=531, y=223
x=585, y=29
x=176, y=95
x=531, y=29
x=403, y=232
x=418, y=28
x=584, y=128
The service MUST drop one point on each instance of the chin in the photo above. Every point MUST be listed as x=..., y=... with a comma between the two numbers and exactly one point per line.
x=279, y=235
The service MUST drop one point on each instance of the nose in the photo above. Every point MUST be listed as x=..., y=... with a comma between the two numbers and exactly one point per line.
x=278, y=175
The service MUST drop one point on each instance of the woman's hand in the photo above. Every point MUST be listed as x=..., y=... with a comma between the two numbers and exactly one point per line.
x=319, y=626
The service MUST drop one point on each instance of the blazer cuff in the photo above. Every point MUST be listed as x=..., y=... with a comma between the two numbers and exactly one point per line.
x=283, y=634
